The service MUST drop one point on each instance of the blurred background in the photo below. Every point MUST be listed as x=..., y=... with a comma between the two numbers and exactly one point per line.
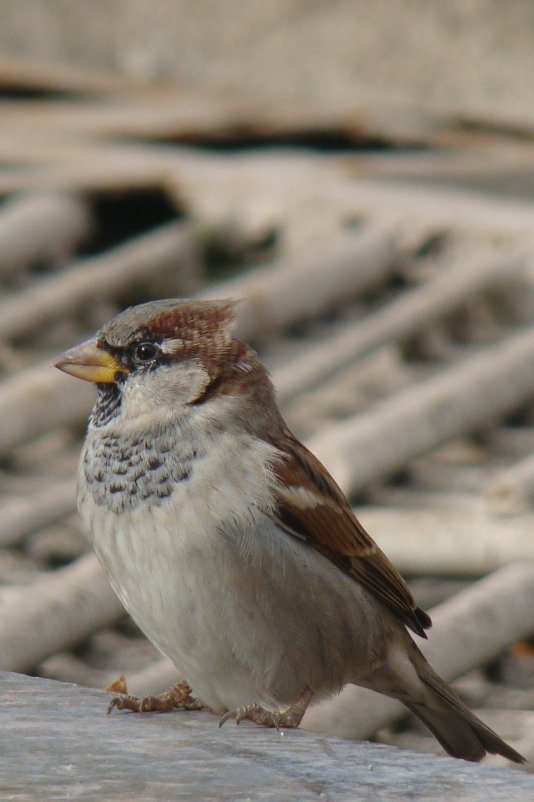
x=361, y=175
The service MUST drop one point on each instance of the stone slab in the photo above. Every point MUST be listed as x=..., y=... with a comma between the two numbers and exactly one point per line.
x=56, y=743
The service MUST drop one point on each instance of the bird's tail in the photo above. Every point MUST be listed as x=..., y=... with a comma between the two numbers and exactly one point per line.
x=457, y=729
x=409, y=677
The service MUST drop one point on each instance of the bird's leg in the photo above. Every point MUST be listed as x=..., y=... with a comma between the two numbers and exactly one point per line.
x=289, y=718
x=179, y=697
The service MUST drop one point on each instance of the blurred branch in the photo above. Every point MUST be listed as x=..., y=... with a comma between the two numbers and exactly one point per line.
x=415, y=309
x=512, y=490
x=37, y=400
x=22, y=516
x=43, y=227
x=457, y=542
x=466, y=396
x=54, y=613
x=169, y=250
x=286, y=292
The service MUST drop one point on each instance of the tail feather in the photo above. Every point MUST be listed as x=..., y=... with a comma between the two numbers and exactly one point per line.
x=466, y=738
x=407, y=676
x=459, y=731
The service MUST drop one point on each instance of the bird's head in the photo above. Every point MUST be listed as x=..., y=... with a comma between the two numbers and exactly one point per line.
x=165, y=355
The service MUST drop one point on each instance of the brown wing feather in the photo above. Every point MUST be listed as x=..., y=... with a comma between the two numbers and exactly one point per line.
x=312, y=506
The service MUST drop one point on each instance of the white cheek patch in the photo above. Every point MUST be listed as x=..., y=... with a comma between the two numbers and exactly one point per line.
x=164, y=390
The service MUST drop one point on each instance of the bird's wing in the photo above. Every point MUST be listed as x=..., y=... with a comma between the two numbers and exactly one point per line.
x=311, y=506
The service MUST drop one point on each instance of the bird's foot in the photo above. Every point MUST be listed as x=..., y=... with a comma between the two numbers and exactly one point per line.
x=179, y=697
x=289, y=718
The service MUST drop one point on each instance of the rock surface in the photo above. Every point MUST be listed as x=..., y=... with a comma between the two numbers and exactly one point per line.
x=57, y=743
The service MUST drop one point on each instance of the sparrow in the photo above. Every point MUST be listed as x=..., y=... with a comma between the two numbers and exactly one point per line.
x=230, y=544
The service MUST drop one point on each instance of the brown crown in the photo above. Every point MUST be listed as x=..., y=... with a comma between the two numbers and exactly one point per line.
x=190, y=321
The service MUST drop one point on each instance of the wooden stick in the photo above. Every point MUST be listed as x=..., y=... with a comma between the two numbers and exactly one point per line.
x=438, y=206
x=53, y=77
x=411, y=312
x=37, y=400
x=22, y=516
x=512, y=490
x=448, y=541
x=41, y=226
x=55, y=613
x=63, y=161
x=286, y=292
x=463, y=397
x=512, y=442
x=171, y=250
x=433, y=476
x=469, y=630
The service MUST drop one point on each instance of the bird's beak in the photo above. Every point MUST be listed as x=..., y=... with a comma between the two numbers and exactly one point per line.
x=90, y=362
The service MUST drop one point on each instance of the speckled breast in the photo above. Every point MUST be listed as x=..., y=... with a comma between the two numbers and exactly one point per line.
x=122, y=473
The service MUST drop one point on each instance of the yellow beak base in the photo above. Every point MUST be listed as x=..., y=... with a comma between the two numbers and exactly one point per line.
x=91, y=363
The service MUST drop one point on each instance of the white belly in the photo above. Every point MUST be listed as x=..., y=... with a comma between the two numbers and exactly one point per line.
x=247, y=613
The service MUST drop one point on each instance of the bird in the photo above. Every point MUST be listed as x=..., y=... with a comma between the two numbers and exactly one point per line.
x=231, y=545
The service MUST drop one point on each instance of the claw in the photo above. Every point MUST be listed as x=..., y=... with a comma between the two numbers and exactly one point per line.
x=114, y=703
x=250, y=712
x=126, y=702
x=226, y=717
x=179, y=697
x=276, y=719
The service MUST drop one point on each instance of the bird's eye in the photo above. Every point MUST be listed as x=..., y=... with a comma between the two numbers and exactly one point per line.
x=146, y=351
